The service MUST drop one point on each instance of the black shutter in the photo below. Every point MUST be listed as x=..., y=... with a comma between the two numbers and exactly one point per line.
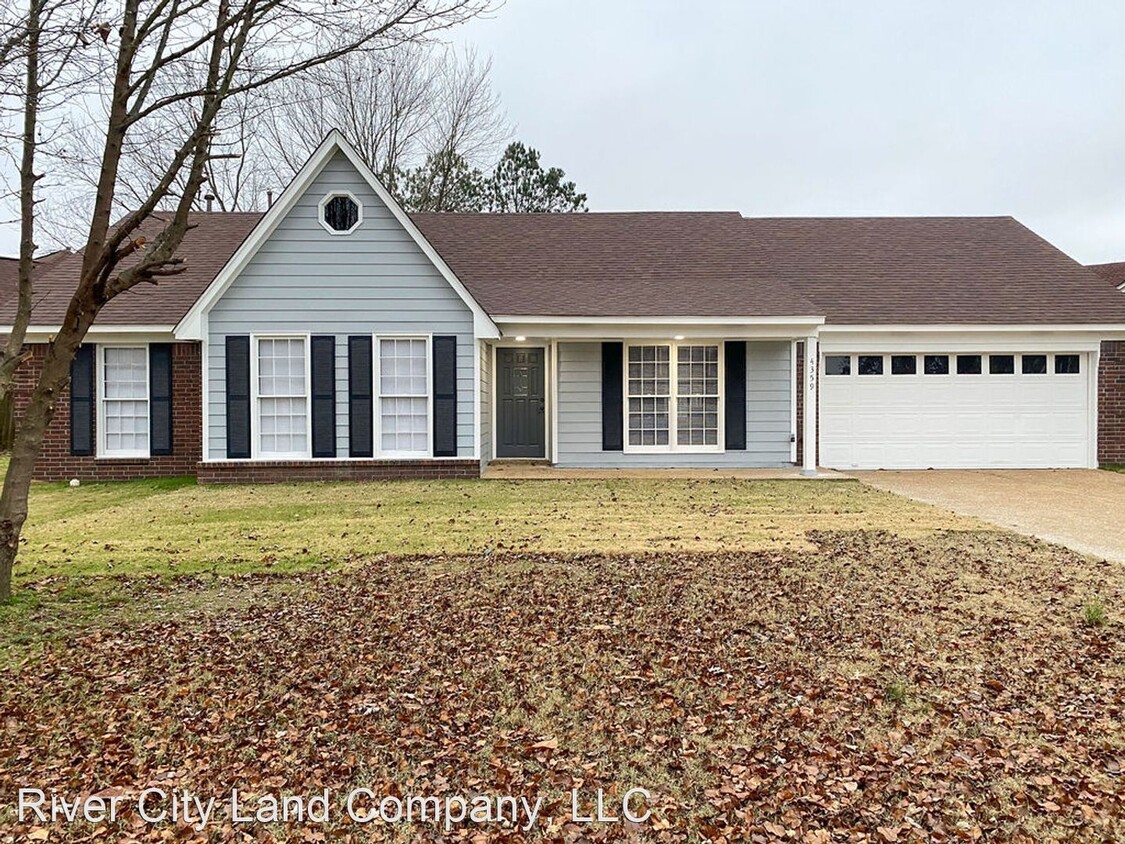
x=445, y=396
x=160, y=398
x=323, y=367
x=613, y=435
x=735, y=418
x=238, y=397
x=359, y=397
x=82, y=402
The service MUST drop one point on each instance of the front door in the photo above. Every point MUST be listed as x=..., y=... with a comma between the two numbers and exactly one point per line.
x=520, y=403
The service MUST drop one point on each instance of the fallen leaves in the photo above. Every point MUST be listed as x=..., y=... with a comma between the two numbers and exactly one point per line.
x=746, y=692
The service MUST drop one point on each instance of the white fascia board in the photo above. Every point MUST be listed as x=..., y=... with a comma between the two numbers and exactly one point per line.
x=1103, y=329
x=661, y=320
x=602, y=328
x=191, y=326
x=975, y=339
x=102, y=333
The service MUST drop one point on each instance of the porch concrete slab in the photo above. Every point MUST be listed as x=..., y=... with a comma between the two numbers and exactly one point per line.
x=532, y=471
x=1082, y=509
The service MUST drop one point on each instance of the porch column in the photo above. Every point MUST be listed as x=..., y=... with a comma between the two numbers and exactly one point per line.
x=808, y=437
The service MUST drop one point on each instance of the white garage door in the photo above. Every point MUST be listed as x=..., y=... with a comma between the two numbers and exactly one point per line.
x=954, y=411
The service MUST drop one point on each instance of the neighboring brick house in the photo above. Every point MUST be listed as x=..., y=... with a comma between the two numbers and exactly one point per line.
x=337, y=337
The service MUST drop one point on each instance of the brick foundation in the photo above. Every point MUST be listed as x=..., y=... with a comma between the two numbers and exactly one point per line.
x=1111, y=403
x=56, y=463
x=283, y=471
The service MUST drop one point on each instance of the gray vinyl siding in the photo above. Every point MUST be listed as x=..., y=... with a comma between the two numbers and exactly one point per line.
x=375, y=280
x=485, y=402
x=768, y=392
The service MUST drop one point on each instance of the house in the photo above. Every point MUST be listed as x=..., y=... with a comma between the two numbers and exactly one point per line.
x=335, y=336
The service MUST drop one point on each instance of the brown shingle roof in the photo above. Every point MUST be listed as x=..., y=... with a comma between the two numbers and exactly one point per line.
x=611, y=264
x=207, y=246
x=9, y=278
x=1113, y=273
x=885, y=270
x=944, y=270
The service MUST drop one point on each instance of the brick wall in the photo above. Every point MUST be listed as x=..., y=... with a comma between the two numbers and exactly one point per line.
x=1111, y=403
x=283, y=471
x=800, y=388
x=56, y=463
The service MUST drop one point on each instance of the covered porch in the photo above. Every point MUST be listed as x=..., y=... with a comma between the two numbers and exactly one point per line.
x=707, y=396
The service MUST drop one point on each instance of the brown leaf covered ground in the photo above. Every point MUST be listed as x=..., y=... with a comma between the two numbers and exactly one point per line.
x=876, y=688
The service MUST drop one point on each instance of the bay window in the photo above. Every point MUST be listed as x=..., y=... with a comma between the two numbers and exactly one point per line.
x=673, y=398
x=124, y=401
x=404, y=396
x=282, y=390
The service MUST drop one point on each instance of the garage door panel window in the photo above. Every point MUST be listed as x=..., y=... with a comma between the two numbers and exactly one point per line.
x=1066, y=365
x=870, y=365
x=667, y=413
x=838, y=365
x=1001, y=364
x=936, y=365
x=904, y=365
x=1033, y=364
x=968, y=364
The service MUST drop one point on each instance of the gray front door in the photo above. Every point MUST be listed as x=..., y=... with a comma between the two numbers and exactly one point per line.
x=520, y=403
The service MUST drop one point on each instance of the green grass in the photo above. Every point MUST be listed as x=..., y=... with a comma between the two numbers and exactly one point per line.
x=1114, y=467
x=174, y=526
x=90, y=552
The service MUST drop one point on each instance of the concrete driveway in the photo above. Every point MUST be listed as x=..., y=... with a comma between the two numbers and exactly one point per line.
x=1083, y=509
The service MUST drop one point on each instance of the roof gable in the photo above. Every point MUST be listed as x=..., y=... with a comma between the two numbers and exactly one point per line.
x=191, y=325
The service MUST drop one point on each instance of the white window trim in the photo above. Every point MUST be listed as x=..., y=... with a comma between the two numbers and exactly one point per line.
x=328, y=197
x=377, y=421
x=673, y=400
x=255, y=399
x=100, y=399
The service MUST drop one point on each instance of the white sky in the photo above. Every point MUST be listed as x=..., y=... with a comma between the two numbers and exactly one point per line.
x=792, y=107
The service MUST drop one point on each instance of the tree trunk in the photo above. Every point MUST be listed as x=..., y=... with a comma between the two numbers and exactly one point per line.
x=28, y=441
x=13, y=353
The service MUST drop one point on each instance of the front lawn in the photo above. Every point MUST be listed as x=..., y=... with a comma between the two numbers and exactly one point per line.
x=782, y=661
x=945, y=688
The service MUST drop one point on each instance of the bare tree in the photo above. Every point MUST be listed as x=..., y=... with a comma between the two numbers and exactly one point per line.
x=153, y=57
x=402, y=109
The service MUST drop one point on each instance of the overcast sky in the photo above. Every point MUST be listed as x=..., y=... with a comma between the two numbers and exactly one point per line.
x=828, y=108
x=825, y=108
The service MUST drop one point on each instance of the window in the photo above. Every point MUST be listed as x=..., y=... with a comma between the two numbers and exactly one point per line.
x=870, y=365
x=935, y=365
x=340, y=213
x=124, y=402
x=1034, y=364
x=283, y=416
x=404, y=396
x=1001, y=364
x=968, y=365
x=697, y=386
x=1066, y=364
x=681, y=412
x=837, y=364
x=904, y=365
x=650, y=395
